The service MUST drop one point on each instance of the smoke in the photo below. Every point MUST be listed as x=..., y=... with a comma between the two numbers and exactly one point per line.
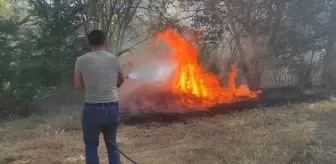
x=147, y=88
x=158, y=72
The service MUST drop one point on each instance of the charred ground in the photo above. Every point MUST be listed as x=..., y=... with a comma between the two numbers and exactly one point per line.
x=272, y=97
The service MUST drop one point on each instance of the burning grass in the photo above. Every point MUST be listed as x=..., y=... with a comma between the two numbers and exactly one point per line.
x=192, y=81
x=290, y=134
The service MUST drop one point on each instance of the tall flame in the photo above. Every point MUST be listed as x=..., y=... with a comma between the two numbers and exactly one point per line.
x=199, y=89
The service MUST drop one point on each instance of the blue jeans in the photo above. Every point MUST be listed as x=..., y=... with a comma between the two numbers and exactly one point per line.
x=105, y=118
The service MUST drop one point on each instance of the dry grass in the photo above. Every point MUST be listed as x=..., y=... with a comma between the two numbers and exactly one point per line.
x=294, y=134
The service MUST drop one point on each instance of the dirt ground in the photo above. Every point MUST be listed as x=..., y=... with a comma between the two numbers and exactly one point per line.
x=289, y=134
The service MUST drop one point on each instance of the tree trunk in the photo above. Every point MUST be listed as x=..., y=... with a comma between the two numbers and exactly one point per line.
x=328, y=76
x=251, y=70
x=94, y=13
x=254, y=80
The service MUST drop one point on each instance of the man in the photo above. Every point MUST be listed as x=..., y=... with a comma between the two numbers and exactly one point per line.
x=100, y=74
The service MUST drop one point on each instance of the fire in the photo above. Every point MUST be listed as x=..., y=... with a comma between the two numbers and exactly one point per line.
x=196, y=87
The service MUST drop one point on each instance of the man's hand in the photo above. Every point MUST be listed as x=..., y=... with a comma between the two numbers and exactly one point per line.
x=78, y=80
x=121, y=79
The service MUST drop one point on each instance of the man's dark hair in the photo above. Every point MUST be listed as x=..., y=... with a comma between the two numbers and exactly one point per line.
x=96, y=38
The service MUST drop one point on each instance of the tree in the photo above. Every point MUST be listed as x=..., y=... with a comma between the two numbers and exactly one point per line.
x=119, y=19
x=329, y=61
x=254, y=28
x=302, y=40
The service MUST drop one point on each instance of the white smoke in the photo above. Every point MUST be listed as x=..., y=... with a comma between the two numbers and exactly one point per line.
x=159, y=71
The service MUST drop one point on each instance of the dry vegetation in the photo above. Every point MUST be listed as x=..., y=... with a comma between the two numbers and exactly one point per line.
x=293, y=134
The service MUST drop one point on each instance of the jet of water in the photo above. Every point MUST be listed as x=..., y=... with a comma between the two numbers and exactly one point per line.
x=157, y=71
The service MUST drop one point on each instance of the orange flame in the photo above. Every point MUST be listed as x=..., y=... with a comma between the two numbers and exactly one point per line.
x=197, y=87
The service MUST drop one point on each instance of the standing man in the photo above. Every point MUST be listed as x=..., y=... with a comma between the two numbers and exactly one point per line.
x=100, y=74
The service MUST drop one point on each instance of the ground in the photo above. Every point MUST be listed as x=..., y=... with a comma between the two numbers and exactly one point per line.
x=301, y=133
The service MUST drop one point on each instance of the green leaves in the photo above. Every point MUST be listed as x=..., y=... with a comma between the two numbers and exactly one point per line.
x=37, y=55
x=4, y=8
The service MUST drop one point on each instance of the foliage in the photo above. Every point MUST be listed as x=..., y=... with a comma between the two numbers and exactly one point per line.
x=33, y=63
x=4, y=9
x=41, y=39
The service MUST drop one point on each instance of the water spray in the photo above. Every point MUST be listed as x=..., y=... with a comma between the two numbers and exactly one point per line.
x=157, y=71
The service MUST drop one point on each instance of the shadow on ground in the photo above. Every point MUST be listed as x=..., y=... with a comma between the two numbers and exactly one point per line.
x=268, y=98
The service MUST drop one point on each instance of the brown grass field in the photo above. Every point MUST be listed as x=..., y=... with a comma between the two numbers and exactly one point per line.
x=301, y=134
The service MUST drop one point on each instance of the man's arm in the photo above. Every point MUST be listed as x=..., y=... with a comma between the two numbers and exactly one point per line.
x=78, y=79
x=121, y=79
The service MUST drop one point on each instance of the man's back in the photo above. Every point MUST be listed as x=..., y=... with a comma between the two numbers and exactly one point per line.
x=99, y=70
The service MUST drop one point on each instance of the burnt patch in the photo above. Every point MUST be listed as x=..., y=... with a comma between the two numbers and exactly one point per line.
x=269, y=98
